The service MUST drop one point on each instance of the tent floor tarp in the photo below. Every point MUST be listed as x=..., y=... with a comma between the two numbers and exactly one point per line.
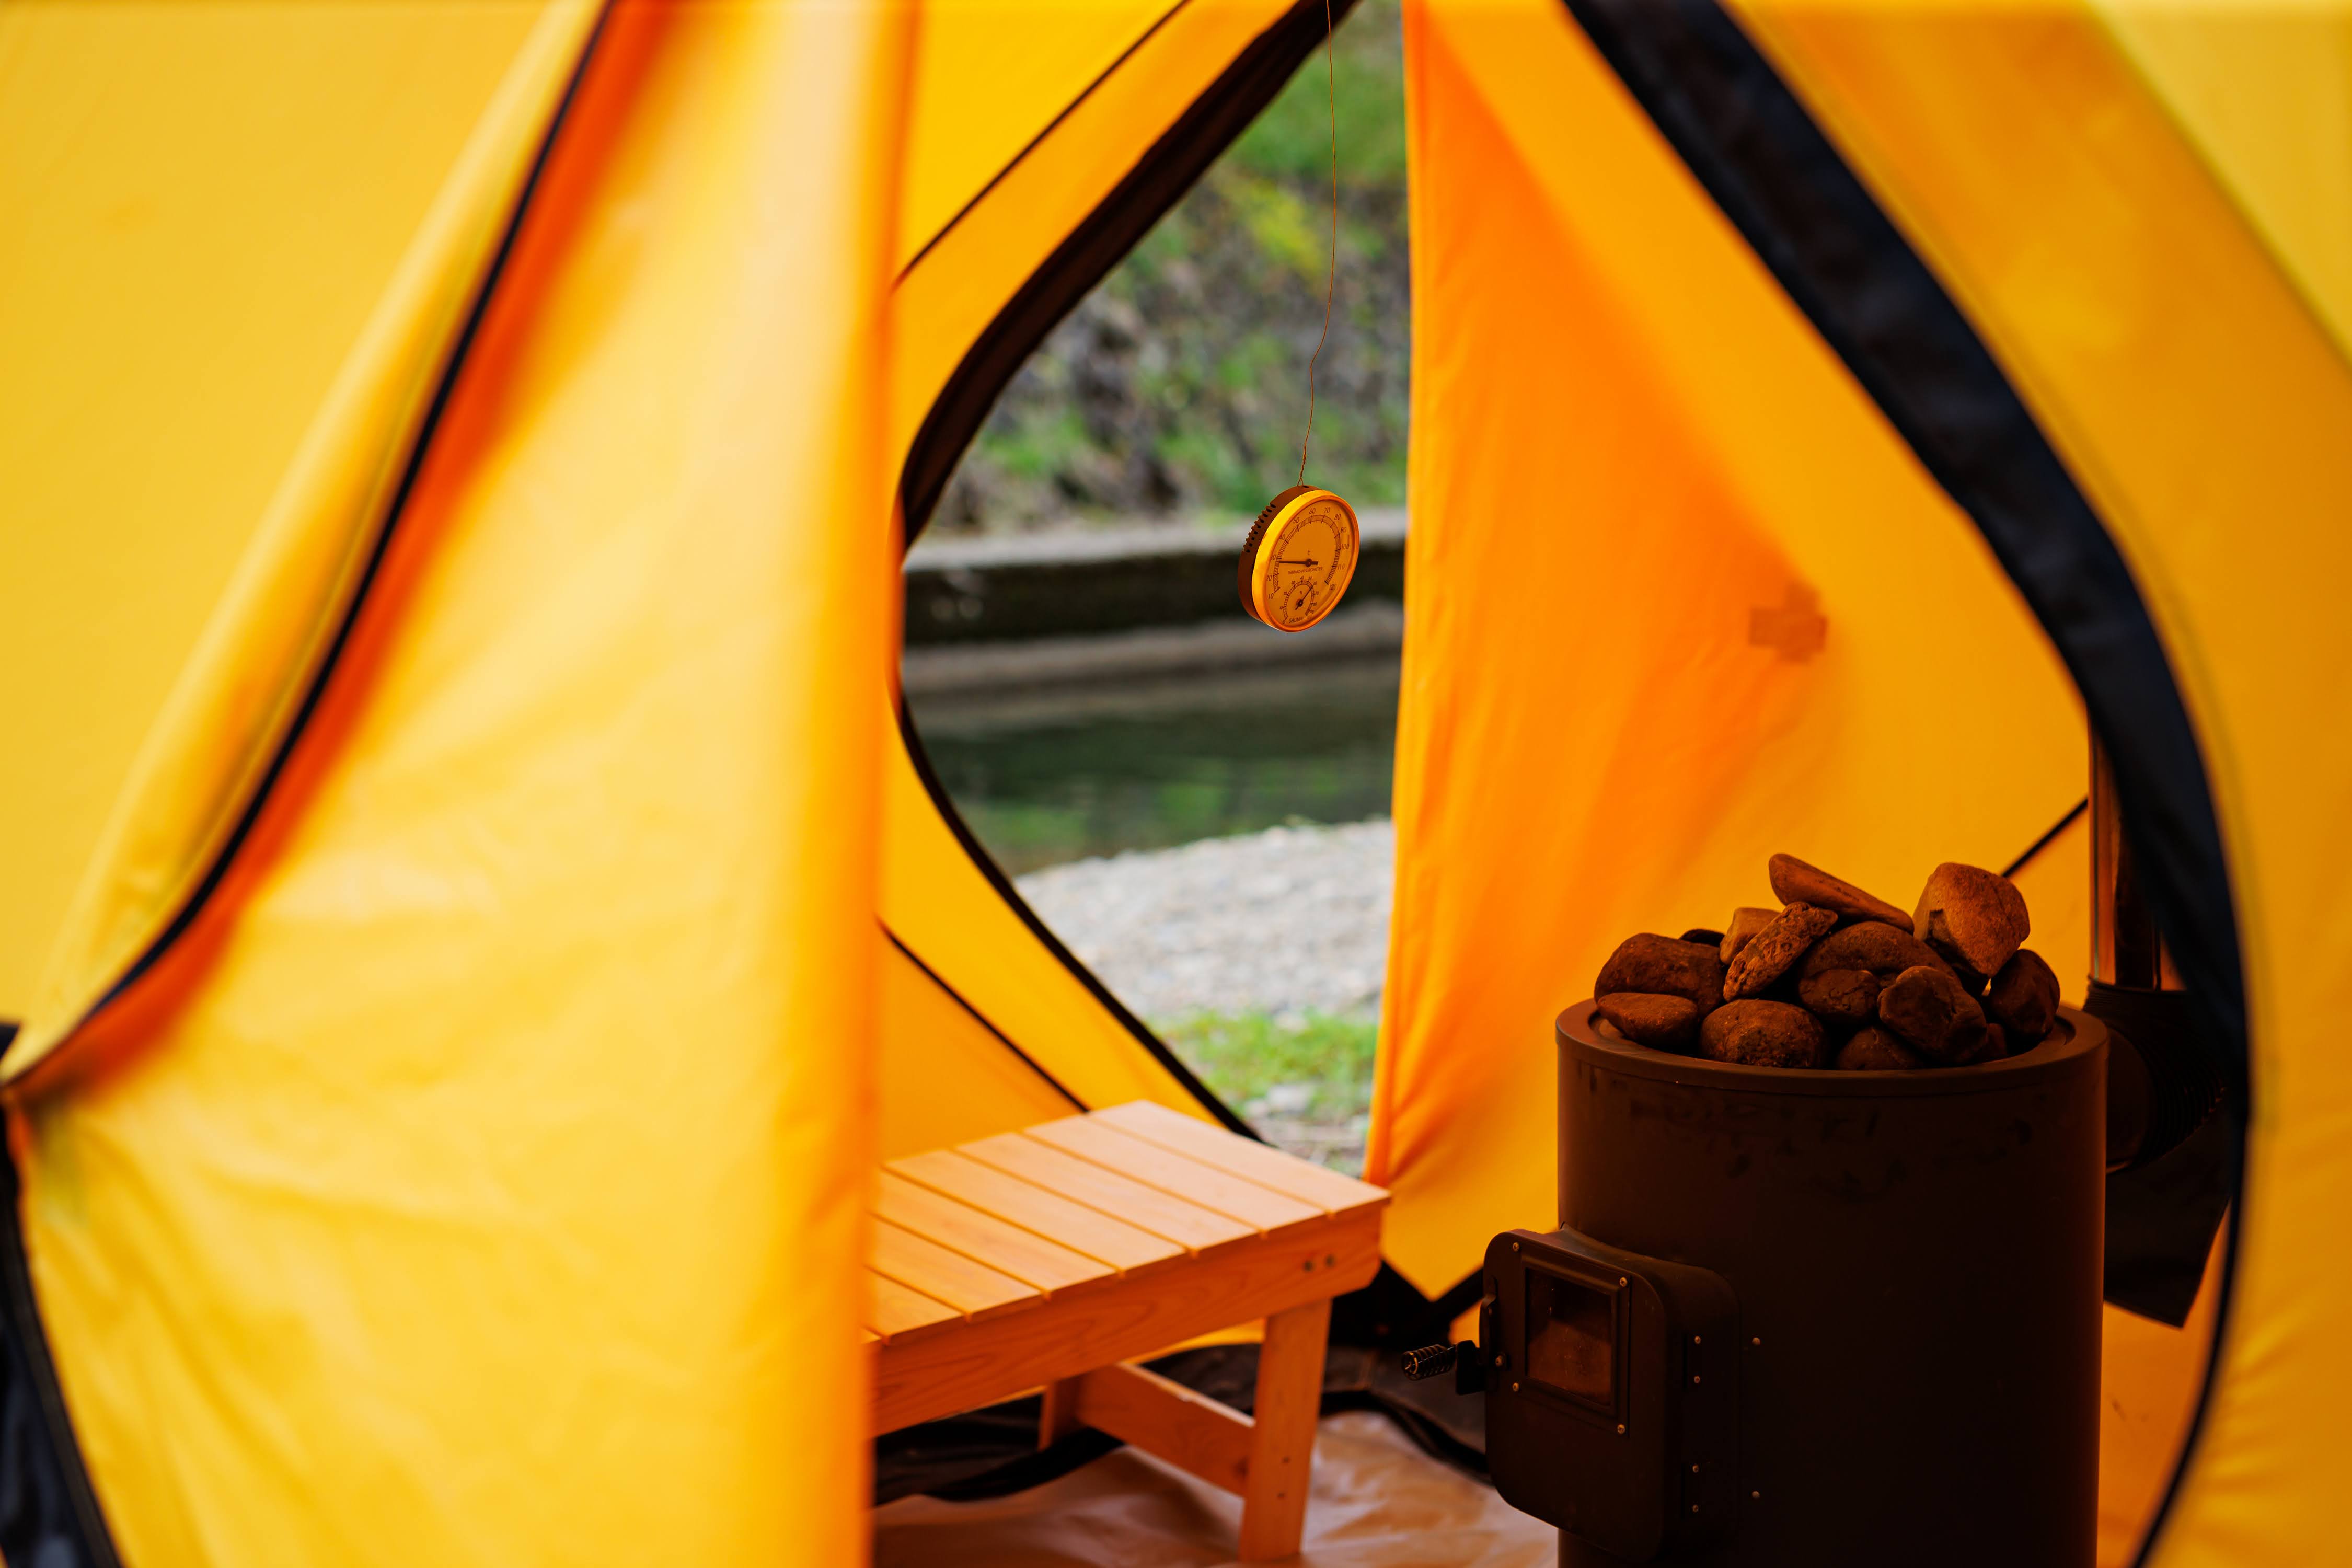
x=1377, y=1499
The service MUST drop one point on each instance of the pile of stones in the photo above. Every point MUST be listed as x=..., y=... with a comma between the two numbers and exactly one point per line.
x=1835, y=977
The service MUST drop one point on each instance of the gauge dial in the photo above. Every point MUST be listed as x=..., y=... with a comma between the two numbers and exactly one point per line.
x=1299, y=558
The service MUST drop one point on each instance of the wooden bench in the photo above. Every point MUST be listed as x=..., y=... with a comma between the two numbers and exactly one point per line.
x=1048, y=1258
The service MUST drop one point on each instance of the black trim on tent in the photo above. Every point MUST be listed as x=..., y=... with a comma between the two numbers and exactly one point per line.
x=982, y=1018
x=50, y=1516
x=1750, y=141
x=945, y=805
x=1159, y=178
x=48, y=1509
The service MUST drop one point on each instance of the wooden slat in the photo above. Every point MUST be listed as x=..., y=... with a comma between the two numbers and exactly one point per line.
x=1260, y=1208
x=1188, y=1224
x=972, y=1288
x=984, y=1239
x=969, y=1364
x=1268, y=1167
x=893, y=1311
x=1196, y=1434
x=1032, y=1208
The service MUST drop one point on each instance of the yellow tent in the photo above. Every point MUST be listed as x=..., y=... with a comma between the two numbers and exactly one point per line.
x=474, y=918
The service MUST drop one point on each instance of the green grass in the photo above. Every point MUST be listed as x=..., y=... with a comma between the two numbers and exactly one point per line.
x=1243, y=1055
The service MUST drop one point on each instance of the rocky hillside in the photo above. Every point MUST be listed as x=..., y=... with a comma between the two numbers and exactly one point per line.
x=1177, y=387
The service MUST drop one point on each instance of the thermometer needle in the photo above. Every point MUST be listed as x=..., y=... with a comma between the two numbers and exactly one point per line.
x=1281, y=561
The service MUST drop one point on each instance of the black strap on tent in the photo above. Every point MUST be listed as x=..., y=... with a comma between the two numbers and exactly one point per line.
x=1814, y=221
x=49, y=1512
x=1159, y=180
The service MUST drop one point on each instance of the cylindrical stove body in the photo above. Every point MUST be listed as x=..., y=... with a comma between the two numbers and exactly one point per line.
x=1916, y=1258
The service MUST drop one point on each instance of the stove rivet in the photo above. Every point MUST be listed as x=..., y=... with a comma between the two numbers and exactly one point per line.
x=1757, y=1343
x=1515, y=1247
x=1515, y=1388
x=1757, y=1497
x=1620, y=1426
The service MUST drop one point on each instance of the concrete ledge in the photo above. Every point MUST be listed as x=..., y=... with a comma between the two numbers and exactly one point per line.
x=1360, y=632
x=1073, y=582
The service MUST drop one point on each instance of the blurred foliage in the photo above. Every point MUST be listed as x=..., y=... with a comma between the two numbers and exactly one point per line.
x=1241, y=1056
x=1179, y=386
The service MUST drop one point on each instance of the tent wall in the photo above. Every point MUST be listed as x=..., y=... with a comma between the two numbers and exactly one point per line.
x=2166, y=300
x=480, y=1178
x=1676, y=444
x=1681, y=598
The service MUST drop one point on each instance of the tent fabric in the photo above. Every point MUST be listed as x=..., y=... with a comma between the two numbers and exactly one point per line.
x=2186, y=377
x=289, y=213
x=442, y=1194
x=945, y=1075
x=2259, y=94
x=1714, y=626
x=461, y=772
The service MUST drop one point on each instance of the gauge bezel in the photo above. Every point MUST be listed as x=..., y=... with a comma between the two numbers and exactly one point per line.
x=1266, y=531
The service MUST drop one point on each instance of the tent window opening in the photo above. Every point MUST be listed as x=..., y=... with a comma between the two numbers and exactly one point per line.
x=1196, y=806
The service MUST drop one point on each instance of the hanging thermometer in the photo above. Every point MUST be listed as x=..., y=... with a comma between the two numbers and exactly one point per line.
x=1300, y=554
x=1299, y=558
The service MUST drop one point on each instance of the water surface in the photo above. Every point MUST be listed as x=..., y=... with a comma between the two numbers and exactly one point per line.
x=1054, y=776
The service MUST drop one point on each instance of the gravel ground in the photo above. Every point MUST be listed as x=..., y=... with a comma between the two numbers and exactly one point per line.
x=1285, y=922
x=1282, y=922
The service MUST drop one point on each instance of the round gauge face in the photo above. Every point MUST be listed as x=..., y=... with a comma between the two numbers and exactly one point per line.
x=1299, y=559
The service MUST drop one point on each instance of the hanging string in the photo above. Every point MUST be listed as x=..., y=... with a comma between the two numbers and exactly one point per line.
x=1331, y=277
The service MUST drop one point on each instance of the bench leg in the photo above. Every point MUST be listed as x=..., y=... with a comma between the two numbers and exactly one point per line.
x=1282, y=1440
x=1060, y=1416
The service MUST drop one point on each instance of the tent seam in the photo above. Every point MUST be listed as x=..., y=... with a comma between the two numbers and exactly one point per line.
x=1037, y=141
x=328, y=660
x=980, y=1017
